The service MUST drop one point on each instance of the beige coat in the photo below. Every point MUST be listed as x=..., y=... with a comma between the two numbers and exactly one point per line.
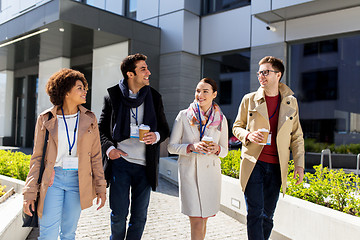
x=91, y=175
x=199, y=175
x=253, y=115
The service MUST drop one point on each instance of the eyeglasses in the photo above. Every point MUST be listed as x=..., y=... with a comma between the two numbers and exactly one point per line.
x=265, y=72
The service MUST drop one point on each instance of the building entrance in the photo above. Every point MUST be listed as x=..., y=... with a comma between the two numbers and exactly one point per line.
x=24, y=110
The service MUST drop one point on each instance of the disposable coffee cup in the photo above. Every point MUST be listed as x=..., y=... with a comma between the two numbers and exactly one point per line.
x=265, y=133
x=207, y=140
x=142, y=130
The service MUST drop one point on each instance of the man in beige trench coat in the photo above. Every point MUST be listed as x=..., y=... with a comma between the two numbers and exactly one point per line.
x=268, y=125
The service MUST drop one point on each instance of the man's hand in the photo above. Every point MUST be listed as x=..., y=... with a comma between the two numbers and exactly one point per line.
x=27, y=205
x=299, y=171
x=255, y=137
x=116, y=153
x=149, y=138
x=101, y=197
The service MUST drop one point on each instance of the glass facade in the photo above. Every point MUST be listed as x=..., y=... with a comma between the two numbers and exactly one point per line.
x=130, y=8
x=325, y=77
x=231, y=71
x=212, y=6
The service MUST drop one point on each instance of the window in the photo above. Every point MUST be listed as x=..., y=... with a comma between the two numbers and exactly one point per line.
x=321, y=47
x=130, y=8
x=231, y=71
x=319, y=85
x=211, y=6
x=324, y=76
x=225, y=91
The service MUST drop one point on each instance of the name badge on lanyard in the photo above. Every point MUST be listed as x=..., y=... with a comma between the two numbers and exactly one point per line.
x=134, y=131
x=134, y=128
x=70, y=163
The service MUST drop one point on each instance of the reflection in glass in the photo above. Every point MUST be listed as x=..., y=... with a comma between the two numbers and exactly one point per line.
x=211, y=6
x=325, y=77
x=231, y=71
x=130, y=9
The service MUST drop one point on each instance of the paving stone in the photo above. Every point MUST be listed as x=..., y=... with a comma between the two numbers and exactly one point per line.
x=164, y=220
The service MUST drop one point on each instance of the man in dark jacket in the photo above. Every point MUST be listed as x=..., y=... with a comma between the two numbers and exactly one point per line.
x=129, y=163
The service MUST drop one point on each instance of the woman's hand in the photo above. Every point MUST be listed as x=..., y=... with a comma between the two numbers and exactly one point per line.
x=52, y=178
x=199, y=147
x=27, y=205
x=101, y=197
x=213, y=148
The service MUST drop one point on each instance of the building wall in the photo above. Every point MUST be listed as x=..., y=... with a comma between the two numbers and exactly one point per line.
x=106, y=72
x=187, y=36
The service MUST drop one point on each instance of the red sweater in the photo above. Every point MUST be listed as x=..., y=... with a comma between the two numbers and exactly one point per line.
x=269, y=153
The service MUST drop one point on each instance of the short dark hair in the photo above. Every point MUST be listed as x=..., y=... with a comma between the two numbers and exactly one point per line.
x=210, y=81
x=61, y=82
x=129, y=63
x=276, y=63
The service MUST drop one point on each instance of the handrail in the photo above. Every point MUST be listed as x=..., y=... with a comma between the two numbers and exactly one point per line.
x=323, y=152
x=357, y=172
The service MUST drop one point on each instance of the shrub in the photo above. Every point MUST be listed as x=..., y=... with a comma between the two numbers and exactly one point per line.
x=331, y=188
x=14, y=164
x=2, y=190
x=312, y=146
x=230, y=165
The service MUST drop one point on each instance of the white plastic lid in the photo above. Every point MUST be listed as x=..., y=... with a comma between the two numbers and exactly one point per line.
x=144, y=127
x=207, y=139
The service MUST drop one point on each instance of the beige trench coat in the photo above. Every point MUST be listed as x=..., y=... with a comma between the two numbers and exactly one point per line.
x=91, y=175
x=253, y=115
x=199, y=175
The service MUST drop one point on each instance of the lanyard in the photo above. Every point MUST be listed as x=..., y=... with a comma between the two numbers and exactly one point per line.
x=202, y=129
x=67, y=131
x=134, y=116
x=277, y=106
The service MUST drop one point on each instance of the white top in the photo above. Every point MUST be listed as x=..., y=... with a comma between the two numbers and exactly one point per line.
x=63, y=144
x=132, y=146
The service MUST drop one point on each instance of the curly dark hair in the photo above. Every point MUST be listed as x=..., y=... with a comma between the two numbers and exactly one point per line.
x=61, y=82
x=129, y=63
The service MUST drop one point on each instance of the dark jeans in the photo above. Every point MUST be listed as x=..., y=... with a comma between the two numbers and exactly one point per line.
x=261, y=195
x=124, y=176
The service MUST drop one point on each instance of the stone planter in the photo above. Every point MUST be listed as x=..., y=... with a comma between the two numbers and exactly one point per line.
x=11, y=212
x=294, y=218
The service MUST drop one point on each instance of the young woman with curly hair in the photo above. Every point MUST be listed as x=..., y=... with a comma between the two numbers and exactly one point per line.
x=73, y=174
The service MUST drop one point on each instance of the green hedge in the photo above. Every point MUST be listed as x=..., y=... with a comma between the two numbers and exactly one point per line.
x=230, y=165
x=2, y=190
x=331, y=188
x=14, y=164
x=312, y=146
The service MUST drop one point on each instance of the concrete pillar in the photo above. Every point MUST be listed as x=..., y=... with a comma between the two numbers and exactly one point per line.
x=46, y=69
x=177, y=84
x=106, y=72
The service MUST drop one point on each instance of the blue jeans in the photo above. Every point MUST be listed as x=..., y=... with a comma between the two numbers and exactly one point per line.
x=261, y=195
x=61, y=207
x=124, y=176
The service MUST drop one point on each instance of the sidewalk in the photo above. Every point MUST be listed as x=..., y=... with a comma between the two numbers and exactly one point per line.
x=164, y=221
